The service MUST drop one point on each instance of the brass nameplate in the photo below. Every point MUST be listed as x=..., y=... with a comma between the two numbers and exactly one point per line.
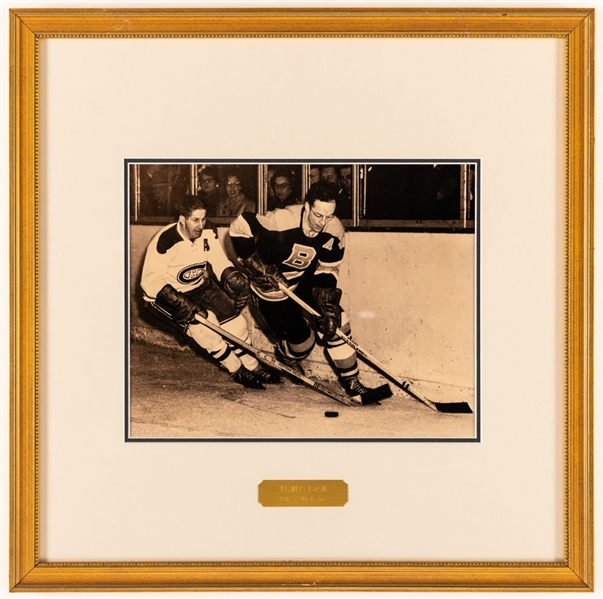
x=303, y=493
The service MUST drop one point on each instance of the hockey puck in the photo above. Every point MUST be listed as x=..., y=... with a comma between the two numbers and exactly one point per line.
x=331, y=414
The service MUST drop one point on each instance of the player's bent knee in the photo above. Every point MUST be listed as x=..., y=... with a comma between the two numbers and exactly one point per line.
x=237, y=326
x=205, y=337
x=301, y=350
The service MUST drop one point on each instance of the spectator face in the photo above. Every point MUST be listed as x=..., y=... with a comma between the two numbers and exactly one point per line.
x=208, y=183
x=233, y=186
x=345, y=177
x=329, y=174
x=314, y=175
x=282, y=188
x=319, y=214
x=193, y=224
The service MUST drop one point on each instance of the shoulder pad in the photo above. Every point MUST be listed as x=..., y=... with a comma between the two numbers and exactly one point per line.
x=244, y=225
x=211, y=226
x=281, y=219
x=335, y=227
x=168, y=238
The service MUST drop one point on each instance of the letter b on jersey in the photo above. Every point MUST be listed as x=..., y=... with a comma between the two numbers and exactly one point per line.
x=301, y=256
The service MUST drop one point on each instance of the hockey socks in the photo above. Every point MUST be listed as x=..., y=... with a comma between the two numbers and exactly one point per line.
x=227, y=358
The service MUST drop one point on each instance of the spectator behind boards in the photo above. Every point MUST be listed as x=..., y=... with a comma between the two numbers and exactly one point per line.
x=282, y=183
x=209, y=188
x=235, y=201
x=341, y=176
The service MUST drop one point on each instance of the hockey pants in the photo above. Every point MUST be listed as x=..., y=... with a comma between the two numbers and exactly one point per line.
x=297, y=339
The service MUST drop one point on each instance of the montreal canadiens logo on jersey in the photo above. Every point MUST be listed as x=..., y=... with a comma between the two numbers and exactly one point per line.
x=191, y=274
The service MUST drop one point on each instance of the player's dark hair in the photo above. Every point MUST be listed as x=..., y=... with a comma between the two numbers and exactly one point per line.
x=281, y=172
x=323, y=191
x=211, y=171
x=335, y=167
x=189, y=204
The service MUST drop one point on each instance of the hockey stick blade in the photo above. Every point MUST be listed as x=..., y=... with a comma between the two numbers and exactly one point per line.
x=459, y=407
x=376, y=395
x=346, y=401
x=450, y=408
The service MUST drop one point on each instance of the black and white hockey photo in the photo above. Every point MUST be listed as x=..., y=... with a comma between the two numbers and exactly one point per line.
x=309, y=299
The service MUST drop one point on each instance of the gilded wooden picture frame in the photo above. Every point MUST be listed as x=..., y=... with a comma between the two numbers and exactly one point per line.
x=28, y=572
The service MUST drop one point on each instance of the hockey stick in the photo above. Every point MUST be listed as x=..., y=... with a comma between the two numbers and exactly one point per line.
x=274, y=363
x=450, y=408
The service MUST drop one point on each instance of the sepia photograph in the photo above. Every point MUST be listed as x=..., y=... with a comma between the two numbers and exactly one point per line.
x=302, y=300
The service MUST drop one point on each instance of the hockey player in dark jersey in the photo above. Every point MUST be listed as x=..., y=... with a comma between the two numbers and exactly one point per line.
x=301, y=247
x=185, y=273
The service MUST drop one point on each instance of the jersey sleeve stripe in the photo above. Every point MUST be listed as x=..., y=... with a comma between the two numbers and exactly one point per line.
x=327, y=269
x=329, y=264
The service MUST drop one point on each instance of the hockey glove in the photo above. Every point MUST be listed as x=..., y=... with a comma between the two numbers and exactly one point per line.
x=327, y=304
x=236, y=286
x=181, y=307
x=266, y=276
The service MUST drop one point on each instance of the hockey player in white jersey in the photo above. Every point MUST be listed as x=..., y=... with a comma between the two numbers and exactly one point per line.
x=185, y=273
